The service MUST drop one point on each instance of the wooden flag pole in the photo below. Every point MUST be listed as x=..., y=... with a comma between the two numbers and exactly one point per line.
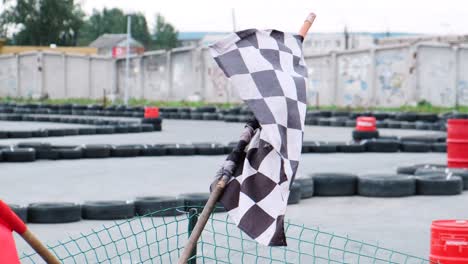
x=220, y=184
x=36, y=244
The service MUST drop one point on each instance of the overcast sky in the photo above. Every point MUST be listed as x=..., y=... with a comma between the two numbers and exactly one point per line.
x=424, y=16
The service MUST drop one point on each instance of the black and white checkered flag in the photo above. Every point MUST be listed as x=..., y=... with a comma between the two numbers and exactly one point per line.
x=268, y=69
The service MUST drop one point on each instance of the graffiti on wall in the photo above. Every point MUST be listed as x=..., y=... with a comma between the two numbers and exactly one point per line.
x=353, y=75
x=462, y=87
x=319, y=90
x=439, y=74
x=391, y=78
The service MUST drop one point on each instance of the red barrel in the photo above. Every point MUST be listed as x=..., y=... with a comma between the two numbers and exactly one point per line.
x=449, y=242
x=457, y=143
x=366, y=123
x=151, y=112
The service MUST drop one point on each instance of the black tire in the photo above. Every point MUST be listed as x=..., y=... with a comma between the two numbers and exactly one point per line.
x=421, y=139
x=360, y=135
x=107, y=210
x=386, y=185
x=196, y=116
x=209, y=149
x=56, y=132
x=3, y=134
x=210, y=116
x=70, y=153
x=381, y=124
x=294, y=193
x=411, y=170
x=152, y=121
x=70, y=131
x=147, y=128
x=96, y=151
x=20, y=211
x=19, y=154
x=134, y=128
x=350, y=123
x=19, y=134
x=307, y=187
x=121, y=129
x=155, y=206
x=198, y=200
x=180, y=150
x=52, y=213
x=438, y=185
x=408, y=125
x=40, y=133
x=415, y=147
x=350, y=147
x=230, y=118
x=47, y=154
x=462, y=173
x=126, y=150
x=334, y=184
x=323, y=122
x=382, y=145
x=87, y=131
x=393, y=124
x=439, y=147
x=105, y=130
x=320, y=147
x=153, y=150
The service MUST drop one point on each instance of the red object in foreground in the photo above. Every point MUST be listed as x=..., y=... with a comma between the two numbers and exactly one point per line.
x=457, y=143
x=366, y=123
x=151, y=112
x=9, y=222
x=449, y=241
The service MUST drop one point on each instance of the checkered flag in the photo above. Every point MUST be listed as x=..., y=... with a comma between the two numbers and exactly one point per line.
x=268, y=70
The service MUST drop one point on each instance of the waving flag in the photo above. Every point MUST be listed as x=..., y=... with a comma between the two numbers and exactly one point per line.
x=268, y=70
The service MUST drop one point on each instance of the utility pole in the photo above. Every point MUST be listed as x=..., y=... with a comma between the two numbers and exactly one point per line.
x=233, y=13
x=127, y=59
x=346, y=37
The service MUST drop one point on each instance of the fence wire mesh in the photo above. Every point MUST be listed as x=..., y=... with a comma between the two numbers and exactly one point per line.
x=155, y=239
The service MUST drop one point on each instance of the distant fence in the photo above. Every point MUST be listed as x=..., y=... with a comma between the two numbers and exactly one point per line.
x=386, y=76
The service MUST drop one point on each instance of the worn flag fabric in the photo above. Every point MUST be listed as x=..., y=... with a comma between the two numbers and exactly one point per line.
x=267, y=69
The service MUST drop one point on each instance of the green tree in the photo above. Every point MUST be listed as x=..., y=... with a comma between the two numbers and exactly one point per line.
x=114, y=21
x=165, y=35
x=42, y=22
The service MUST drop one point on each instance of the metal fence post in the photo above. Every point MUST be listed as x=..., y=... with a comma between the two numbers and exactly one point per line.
x=193, y=218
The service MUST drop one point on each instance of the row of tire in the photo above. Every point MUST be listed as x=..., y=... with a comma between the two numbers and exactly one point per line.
x=427, y=180
x=315, y=121
x=406, y=120
x=151, y=206
x=31, y=151
x=102, y=126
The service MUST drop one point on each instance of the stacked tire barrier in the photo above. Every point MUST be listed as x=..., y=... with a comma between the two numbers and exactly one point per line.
x=394, y=120
x=98, y=126
x=32, y=151
x=423, y=179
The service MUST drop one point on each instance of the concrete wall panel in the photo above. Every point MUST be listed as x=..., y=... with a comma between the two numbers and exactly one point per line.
x=320, y=89
x=354, y=80
x=8, y=76
x=436, y=75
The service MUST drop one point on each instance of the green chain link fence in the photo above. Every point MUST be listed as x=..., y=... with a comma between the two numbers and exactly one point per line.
x=155, y=239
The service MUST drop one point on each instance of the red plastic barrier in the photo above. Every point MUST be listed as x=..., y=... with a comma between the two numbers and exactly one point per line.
x=366, y=123
x=457, y=143
x=449, y=241
x=9, y=221
x=151, y=112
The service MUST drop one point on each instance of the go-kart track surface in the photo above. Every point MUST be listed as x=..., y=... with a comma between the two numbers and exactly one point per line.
x=402, y=224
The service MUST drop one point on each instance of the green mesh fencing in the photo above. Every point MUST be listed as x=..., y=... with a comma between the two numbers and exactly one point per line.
x=152, y=239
